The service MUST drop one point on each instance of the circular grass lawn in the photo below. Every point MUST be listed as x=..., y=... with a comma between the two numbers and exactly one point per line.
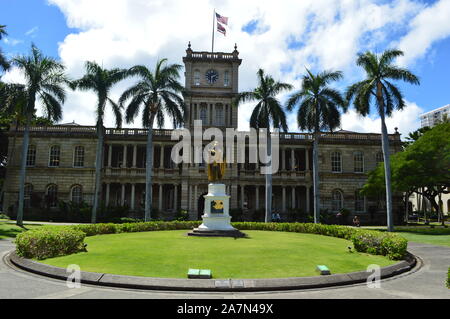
x=265, y=254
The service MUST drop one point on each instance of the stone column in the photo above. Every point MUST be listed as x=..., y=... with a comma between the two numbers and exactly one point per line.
x=283, y=200
x=109, y=155
x=160, y=197
x=184, y=195
x=161, y=157
x=133, y=191
x=256, y=197
x=108, y=185
x=124, y=159
x=134, y=155
x=283, y=159
x=308, y=207
x=122, y=198
x=293, y=197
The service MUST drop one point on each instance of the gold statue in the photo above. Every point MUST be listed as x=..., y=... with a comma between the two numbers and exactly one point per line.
x=216, y=163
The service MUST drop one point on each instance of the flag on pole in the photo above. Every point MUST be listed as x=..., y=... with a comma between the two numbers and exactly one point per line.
x=221, y=19
x=221, y=28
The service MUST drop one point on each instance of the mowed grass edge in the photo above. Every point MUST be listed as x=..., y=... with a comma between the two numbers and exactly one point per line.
x=265, y=254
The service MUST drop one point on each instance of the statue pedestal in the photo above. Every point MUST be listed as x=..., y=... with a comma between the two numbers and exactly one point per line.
x=216, y=218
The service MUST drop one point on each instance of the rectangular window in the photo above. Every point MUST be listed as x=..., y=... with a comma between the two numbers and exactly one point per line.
x=359, y=162
x=54, y=156
x=197, y=78
x=31, y=155
x=336, y=162
x=78, y=157
x=226, y=78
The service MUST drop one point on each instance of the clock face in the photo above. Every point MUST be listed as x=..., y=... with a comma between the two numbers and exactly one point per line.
x=212, y=76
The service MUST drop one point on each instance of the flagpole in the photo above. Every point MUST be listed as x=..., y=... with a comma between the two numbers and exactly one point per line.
x=214, y=17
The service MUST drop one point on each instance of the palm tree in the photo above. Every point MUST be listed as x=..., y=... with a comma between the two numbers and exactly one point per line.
x=4, y=64
x=100, y=81
x=319, y=109
x=44, y=81
x=157, y=92
x=267, y=112
x=386, y=96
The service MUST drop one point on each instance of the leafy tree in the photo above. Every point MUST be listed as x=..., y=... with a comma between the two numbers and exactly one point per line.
x=157, y=92
x=423, y=167
x=4, y=64
x=414, y=136
x=100, y=81
x=44, y=81
x=319, y=109
x=267, y=112
x=377, y=89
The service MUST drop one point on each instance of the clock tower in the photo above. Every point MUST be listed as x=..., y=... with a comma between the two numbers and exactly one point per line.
x=210, y=87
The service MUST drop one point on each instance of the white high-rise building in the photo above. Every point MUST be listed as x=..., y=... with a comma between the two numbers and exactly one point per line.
x=433, y=117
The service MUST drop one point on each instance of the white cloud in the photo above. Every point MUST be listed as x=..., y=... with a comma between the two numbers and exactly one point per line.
x=406, y=120
x=123, y=33
x=32, y=31
x=430, y=25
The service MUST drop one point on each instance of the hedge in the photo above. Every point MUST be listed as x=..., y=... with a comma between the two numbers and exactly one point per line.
x=366, y=241
x=47, y=243
x=448, y=278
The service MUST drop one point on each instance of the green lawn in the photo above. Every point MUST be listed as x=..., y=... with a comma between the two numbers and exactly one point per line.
x=10, y=230
x=170, y=254
x=422, y=234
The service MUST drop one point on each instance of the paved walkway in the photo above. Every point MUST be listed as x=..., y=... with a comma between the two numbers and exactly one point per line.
x=426, y=282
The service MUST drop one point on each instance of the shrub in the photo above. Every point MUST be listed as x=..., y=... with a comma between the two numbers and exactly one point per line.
x=448, y=278
x=367, y=241
x=3, y=216
x=48, y=243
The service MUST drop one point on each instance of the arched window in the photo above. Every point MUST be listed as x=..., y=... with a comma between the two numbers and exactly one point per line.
x=358, y=160
x=196, y=77
x=337, y=202
x=78, y=156
x=54, y=156
x=336, y=165
x=52, y=195
x=31, y=155
x=76, y=195
x=219, y=115
x=226, y=78
x=379, y=157
x=359, y=201
x=28, y=193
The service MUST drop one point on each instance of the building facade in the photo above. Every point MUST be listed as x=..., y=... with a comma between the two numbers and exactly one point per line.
x=61, y=159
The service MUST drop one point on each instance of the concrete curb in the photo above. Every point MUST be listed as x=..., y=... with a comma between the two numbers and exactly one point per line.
x=217, y=285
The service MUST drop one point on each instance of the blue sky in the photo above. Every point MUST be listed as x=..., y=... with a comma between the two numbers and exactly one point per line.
x=275, y=38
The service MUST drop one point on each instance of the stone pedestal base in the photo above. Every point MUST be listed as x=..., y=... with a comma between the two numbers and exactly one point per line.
x=216, y=218
x=217, y=233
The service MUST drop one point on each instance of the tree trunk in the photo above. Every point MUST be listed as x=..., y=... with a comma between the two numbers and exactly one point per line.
x=148, y=170
x=386, y=158
x=98, y=171
x=23, y=167
x=316, y=177
x=268, y=217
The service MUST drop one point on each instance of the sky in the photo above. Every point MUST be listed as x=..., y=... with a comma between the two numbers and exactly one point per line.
x=282, y=37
